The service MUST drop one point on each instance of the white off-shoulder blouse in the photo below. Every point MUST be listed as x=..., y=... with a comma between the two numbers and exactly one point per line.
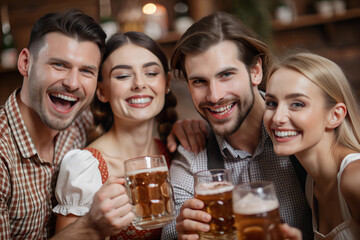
x=78, y=181
x=82, y=173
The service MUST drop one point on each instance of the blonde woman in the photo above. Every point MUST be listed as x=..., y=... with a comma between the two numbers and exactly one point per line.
x=312, y=113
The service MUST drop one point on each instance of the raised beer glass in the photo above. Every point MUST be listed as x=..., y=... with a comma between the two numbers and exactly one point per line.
x=150, y=191
x=256, y=209
x=214, y=187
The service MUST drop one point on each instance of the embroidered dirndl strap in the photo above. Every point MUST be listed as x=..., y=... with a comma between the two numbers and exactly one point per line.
x=102, y=164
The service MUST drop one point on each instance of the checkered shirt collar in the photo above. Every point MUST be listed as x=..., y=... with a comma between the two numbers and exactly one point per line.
x=226, y=148
x=18, y=127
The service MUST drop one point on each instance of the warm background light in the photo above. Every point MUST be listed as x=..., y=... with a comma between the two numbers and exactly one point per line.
x=149, y=8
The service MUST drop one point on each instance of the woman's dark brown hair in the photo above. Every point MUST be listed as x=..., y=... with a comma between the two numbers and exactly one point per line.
x=103, y=116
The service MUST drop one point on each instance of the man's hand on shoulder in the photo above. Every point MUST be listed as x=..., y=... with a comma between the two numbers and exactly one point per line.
x=190, y=133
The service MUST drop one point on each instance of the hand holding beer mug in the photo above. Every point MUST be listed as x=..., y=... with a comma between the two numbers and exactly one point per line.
x=256, y=209
x=150, y=191
x=214, y=187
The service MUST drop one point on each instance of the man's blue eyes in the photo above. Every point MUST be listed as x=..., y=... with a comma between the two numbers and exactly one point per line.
x=227, y=74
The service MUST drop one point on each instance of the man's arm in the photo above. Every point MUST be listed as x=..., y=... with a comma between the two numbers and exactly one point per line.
x=109, y=213
x=191, y=133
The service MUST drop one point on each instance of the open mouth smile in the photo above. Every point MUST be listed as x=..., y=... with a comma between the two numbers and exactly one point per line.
x=139, y=101
x=283, y=136
x=62, y=102
x=221, y=111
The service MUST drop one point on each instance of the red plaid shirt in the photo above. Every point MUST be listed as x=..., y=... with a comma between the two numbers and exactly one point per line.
x=26, y=182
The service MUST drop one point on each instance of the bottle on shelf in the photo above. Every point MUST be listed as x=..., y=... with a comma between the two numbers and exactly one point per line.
x=107, y=22
x=182, y=19
x=8, y=50
x=285, y=11
x=130, y=16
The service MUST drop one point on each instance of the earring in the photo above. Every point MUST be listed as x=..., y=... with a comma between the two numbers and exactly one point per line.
x=167, y=90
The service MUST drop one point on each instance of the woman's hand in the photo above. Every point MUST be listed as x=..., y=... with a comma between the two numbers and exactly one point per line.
x=111, y=209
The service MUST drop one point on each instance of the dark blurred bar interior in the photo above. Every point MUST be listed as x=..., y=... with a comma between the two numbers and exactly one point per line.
x=329, y=28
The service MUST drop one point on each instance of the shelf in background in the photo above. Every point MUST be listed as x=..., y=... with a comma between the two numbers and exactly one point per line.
x=7, y=70
x=171, y=37
x=315, y=19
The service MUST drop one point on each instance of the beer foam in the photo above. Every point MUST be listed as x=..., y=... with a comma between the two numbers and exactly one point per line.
x=211, y=188
x=157, y=169
x=252, y=204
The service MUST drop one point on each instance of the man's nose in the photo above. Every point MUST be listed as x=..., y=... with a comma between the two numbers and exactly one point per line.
x=215, y=92
x=72, y=80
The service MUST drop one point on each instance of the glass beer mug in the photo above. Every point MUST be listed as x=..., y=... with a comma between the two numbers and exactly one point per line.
x=150, y=191
x=256, y=209
x=214, y=187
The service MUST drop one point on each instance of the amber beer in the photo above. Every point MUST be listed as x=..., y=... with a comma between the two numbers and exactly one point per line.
x=151, y=195
x=217, y=197
x=257, y=217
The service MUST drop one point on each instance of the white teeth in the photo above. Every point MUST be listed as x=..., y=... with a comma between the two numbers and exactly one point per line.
x=64, y=97
x=285, y=133
x=139, y=100
x=222, y=110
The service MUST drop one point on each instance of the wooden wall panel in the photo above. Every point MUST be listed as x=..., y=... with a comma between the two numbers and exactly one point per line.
x=23, y=14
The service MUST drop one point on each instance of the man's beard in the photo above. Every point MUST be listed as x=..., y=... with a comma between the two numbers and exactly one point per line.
x=219, y=129
x=55, y=121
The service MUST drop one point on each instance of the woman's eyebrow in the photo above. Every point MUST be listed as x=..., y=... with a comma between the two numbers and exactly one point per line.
x=121, y=67
x=150, y=64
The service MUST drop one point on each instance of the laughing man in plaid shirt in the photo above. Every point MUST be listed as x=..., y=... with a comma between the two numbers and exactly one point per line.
x=43, y=120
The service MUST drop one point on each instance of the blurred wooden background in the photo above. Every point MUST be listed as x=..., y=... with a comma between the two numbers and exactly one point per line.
x=336, y=37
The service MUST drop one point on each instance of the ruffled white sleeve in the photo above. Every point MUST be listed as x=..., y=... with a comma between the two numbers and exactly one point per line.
x=78, y=181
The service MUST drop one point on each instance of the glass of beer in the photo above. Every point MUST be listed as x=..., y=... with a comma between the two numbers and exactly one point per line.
x=150, y=191
x=256, y=209
x=214, y=187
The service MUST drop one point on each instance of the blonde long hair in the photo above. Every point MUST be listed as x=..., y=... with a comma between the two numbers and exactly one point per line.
x=331, y=79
